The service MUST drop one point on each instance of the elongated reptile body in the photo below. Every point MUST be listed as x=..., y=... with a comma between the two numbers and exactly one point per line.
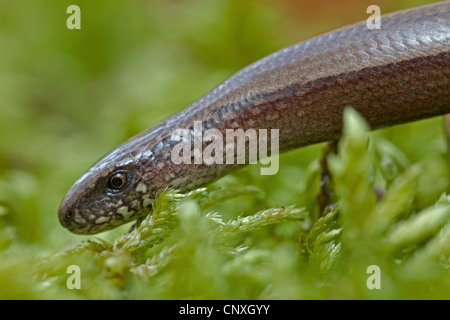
x=394, y=75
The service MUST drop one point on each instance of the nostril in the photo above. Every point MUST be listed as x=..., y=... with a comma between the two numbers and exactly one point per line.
x=69, y=214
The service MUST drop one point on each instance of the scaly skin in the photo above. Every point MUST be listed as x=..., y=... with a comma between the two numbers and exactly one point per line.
x=394, y=75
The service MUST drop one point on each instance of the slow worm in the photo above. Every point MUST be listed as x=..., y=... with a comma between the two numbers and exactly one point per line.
x=396, y=74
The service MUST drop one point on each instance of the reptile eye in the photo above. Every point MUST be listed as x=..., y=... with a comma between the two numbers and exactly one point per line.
x=117, y=181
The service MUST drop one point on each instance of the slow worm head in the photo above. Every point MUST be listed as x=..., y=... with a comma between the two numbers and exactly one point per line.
x=393, y=75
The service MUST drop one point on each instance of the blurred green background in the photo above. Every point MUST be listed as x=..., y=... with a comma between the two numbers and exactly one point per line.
x=70, y=96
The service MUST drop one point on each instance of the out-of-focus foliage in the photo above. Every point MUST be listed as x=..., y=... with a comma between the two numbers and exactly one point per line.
x=70, y=96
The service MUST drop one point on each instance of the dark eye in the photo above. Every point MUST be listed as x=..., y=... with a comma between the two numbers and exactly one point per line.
x=117, y=181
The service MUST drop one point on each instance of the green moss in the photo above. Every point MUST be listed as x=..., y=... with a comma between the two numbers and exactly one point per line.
x=184, y=250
